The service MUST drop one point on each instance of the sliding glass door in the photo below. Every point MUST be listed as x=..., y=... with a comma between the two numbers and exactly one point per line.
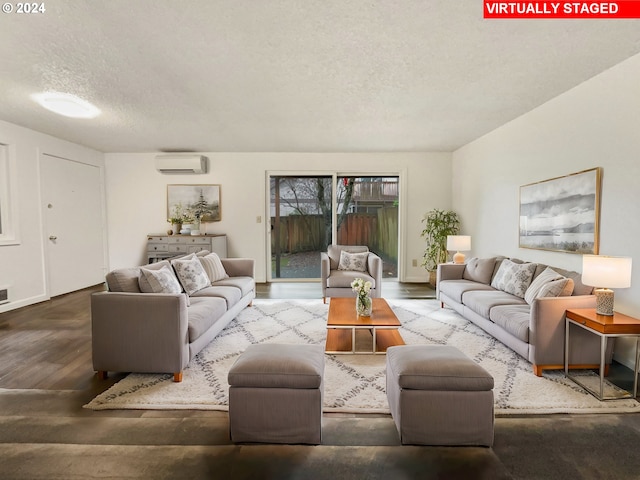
x=304, y=209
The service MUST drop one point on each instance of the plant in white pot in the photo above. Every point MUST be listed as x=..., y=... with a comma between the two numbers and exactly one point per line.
x=438, y=224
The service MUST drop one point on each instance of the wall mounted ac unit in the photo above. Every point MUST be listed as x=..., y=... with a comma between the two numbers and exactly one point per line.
x=185, y=164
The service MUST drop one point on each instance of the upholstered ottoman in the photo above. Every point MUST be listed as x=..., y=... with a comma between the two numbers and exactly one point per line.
x=439, y=396
x=275, y=394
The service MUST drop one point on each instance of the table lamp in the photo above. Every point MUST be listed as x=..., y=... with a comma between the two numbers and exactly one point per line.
x=605, y=273
x=458, y=243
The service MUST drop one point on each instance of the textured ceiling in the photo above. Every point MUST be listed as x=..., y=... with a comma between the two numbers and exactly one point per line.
x=293, y=75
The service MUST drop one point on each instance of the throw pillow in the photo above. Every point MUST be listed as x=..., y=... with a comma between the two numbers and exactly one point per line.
x=353, y=261
x=162, y=280
x=513, y=278
x=191, y=274
x=548, y=275
x=557, y=288
x=213, y=266
x=479, y=270
x=143, y=283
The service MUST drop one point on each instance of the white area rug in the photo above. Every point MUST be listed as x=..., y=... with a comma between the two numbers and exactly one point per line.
x=354, y=383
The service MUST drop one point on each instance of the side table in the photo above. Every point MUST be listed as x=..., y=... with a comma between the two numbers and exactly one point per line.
x=605, y=326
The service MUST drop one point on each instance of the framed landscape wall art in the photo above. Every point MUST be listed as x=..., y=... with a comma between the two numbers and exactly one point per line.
x=198, y=201
x=562, y=214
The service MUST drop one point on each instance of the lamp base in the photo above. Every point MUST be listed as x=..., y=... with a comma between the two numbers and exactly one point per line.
x=458, y=257
x=604, y=301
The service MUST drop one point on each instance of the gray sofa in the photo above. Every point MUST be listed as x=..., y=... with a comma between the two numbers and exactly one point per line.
x=523, y=306
x=134, y=331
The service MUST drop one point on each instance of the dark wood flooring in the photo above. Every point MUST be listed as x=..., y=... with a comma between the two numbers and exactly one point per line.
x=46, y=376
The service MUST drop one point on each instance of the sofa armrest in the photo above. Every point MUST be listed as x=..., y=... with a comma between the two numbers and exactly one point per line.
x=139, y=332
x=374, y=266
x=239, y=267
x=547, y=331
x=325, y=268
x=449, y=271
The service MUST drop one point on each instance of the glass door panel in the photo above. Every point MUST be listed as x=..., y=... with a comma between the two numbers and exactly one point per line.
x=301, y=225
x=367, y=214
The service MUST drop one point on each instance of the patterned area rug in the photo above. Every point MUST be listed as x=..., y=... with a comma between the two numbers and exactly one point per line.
x=354, y=383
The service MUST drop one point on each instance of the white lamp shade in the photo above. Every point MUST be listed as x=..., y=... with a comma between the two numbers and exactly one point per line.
x=459, y=243
x=607, y=272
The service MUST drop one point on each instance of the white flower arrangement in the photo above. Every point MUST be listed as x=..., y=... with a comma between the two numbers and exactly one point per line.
x=361, y=287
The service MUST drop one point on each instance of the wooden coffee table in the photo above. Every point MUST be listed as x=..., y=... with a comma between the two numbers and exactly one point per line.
x=343, y=323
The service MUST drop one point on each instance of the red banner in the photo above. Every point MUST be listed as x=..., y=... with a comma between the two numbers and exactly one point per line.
x=583, y=10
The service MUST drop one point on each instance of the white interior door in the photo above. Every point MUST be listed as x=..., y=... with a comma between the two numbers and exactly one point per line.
x=72, y=197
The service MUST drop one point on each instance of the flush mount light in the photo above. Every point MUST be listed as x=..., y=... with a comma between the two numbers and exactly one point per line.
x=66, y=104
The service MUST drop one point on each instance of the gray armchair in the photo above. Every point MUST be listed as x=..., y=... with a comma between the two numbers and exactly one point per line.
x=337, y=282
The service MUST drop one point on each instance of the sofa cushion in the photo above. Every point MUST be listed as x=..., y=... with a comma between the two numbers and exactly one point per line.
x=191, y=274
x=232, y=295
x=513, y=278
x=203, y=313
x=455, y=288
x=245, y=284
x=546, y=276
x=343, y=278
x=514, y=319
x=356, y=262
x=558, y=288
x=479, y=270
x=124, y=280
x=482, y=301
x=162, y=280
x=213, y=266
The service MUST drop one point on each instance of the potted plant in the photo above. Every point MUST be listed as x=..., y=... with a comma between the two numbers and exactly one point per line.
x=438, y=224
x=176, y=219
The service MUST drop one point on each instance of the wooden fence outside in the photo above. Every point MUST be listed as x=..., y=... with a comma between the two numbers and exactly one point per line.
x=307, y=233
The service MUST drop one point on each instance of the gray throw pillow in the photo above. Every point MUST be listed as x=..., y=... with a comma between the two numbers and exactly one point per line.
x=513, y=278
x=557, y=288
x=162, y=280
x=353, y=261
x=479, y=270
x=548, y=275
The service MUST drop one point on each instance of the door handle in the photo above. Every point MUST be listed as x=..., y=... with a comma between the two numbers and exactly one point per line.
x=52, y=237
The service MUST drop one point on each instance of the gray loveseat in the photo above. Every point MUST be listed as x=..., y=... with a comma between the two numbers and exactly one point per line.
x=134, y=331
x=523, y=305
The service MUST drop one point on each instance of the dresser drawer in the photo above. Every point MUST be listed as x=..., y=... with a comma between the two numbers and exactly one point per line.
x=198, y=241
x=176, y=248
x=157, y=247
x=157, y=239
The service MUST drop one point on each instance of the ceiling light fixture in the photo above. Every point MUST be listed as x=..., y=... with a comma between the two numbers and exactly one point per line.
x=66, y=104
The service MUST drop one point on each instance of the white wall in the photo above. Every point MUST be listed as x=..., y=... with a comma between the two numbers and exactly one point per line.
x=596, y=124
x=23, y=266
x=137, y=196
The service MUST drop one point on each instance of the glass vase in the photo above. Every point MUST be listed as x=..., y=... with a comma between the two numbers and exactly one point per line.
x=364, y=306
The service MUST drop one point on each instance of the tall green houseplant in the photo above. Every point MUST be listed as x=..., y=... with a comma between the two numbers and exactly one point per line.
x=438, y=224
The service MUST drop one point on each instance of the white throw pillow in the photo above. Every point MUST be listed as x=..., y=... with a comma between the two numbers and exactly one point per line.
x=191, y=274
x=513, y=278
x=162, y=280
x=213, y=266
x=353, y=261
x=548, y=275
